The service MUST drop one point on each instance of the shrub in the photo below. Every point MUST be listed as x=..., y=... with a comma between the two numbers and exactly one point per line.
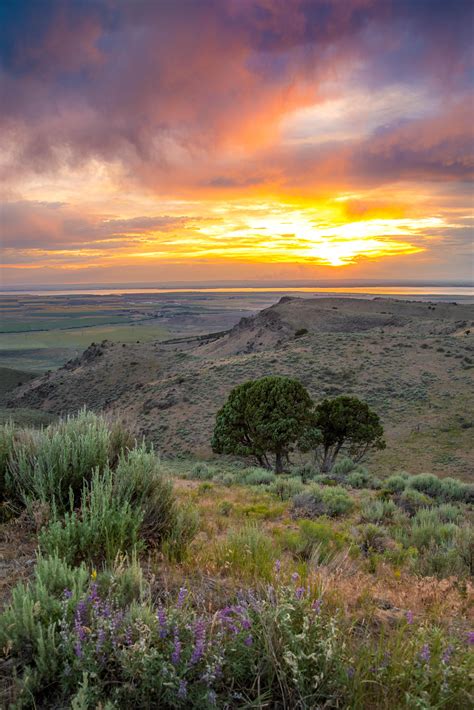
x=322, y=501
x=313, y=541
x=395, y=484
x=337, y=501
x=200, y=471
x=247, y=553
x=426, y=483
x=286, y=488
x=361, y=478
x=104, y=526
x=308, y=504
x=139, y=482
x=373, y=539
x=449, y=513
x=259, y=477
x=47, y=465
x=343, y=467
x=181, y=533
x=454, y=490
x=378, y=511
x=225, y=508
x=411, y=500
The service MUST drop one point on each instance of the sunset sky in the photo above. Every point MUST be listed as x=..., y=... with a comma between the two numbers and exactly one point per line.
x=262, y=140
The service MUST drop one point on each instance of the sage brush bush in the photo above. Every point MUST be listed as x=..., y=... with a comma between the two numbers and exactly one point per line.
x=47, y=465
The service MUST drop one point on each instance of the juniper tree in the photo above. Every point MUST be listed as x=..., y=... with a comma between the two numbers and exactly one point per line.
x=263, y=418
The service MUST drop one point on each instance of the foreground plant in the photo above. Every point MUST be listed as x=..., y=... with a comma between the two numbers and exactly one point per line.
x=101, y=639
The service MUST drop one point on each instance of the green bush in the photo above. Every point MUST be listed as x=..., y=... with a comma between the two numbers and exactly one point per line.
x=286, y=488
x=46, y=466
x=454, y=490
x=337, y=501
x=343, y=467
x=372, y=539
x=361, y=478
x=396, y=484
x=247, y=552
x=378, y=511
x=426, y=483
x=411, y=500
x=139, y=482
x=181, y=533
x=315, y=541
x=201, y=472
x=259, y=477
x=317, y=501
x=104, y=526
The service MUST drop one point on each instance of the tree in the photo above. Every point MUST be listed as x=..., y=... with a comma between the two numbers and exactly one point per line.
x=343, y=424
x=261, y=418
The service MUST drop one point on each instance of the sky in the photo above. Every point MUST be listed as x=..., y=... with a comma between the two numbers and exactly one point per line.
x=225, y=140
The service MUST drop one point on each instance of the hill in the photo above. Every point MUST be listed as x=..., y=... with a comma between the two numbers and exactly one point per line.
x=412, y=361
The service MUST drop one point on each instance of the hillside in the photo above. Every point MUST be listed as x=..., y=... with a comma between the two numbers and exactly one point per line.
x=411, y=361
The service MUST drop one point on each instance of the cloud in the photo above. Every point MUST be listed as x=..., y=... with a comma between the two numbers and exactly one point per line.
x=174, y=88
x=57, y=226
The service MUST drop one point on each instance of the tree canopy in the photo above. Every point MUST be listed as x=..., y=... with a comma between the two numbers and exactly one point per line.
x=263, y=418
x=344, y=424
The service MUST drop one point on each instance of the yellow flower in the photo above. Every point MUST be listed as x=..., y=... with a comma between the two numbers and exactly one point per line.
x=94, y=574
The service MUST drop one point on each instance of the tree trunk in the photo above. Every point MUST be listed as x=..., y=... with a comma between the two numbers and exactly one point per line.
x=278, y=462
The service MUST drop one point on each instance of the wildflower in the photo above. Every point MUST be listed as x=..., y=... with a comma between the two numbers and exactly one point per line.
x=181, y=597
x=183, y=689
x=447, y=654
x=299, y=592
x=316, y=605
x=295, y=576
x=175, y=656
x=409, y=617
x=100, y=639
x=425, y=653
x=248, y=641
x=161, y=614
x=212, y=697
x=199, y=641
x=67, y=594
x=94, y=574
x=277, y=566
x=350, y=672
x=470, y=638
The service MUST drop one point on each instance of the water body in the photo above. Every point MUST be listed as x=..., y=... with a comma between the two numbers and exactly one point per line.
x=463, y=294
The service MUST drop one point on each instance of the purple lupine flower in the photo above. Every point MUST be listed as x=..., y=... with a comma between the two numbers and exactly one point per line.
x=128, y=636
x=78, y=648
x=246, y=623
x=199, y=641
x=448, y=652
x=425, y=654
x=299, y=592
x=100, y=639
x=295, y=576
x=183, y=689
x=409, y=617
x=81, y=611
x=93, y=593
x=161, y=614
x=470, y=637
x=181, y=597
x=176, y=655
x=67, y=594
x=212, y=697
x=248, y=641
x=350, y=672
x=277, y=566
x=316, y=605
